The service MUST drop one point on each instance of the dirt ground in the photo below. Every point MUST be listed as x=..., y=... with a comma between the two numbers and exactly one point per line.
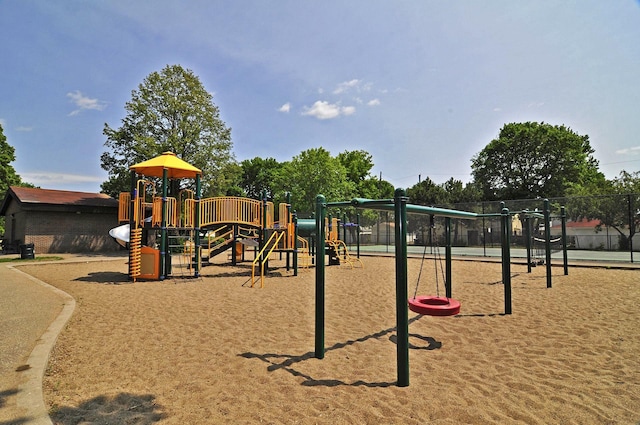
x=214, y=350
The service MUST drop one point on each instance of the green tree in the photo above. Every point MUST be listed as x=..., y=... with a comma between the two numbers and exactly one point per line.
x=530, y=160
x=170, y=111
x=258, y=175
x=427, y=193
x=615, y=203
x=8, y=175
x=314, y=172
x=358, y=164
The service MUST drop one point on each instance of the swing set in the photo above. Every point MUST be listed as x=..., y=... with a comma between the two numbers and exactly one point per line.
x=430, y=305
x=426, y=305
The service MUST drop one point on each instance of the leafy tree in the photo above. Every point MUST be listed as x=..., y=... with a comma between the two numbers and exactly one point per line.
x=458, y=192
x=530, y=160
x=427, y=193
x=258, y=175
x=314, y=172
x=608, y=202
x=358, y=164
x=170, y=111
x=8, y=175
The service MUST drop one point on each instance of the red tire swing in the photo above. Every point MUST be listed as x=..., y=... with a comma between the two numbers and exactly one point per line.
x=430, y=305
x=434, y=306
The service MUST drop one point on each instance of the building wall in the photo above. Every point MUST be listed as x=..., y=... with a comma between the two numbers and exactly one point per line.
x=60, y=232
x=14, y=225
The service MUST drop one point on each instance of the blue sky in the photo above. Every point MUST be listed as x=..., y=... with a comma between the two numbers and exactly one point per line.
x=422, y=85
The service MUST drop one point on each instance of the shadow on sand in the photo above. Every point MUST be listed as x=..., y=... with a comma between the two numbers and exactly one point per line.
x=123, y=408
x=107, y=278
x=287, y=361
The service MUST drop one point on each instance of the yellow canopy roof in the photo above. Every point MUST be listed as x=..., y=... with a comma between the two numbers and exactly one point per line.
x=176, y=168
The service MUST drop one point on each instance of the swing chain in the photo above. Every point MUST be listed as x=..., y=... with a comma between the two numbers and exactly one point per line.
x=437, y=257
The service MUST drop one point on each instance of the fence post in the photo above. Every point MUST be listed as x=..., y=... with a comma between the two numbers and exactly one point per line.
x=447, y=256
x=506, y=258
x=527, y=235
x=547, y=240
x=632, y=225
x=402, y=310
x=565, y=262
x=321, y=207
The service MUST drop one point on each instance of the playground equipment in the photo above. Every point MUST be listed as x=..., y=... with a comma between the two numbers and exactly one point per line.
x=433, y=305
x=543, y=246
x=334, y=248
x=399, y=205
x=198, y=229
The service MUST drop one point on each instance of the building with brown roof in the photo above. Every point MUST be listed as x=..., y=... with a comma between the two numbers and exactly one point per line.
x=58, y=221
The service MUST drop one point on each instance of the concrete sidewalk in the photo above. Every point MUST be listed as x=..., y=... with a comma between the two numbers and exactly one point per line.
x=32, y=315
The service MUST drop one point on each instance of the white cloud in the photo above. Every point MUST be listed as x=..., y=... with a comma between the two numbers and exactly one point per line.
x=83, y=102
x=373, y=102
x=347, y=85
x=629, y=151
x=286, y=108
x=348, y=110
x=3, y=123
x=44, y=177
x=323, y=110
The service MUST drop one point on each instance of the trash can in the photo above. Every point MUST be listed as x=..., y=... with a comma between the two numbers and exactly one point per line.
x=27, y=251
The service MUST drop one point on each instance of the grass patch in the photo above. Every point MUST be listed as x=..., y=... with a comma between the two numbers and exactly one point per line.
x=20, y=260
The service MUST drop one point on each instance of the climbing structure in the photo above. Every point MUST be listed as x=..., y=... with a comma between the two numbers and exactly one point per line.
x=210, y=226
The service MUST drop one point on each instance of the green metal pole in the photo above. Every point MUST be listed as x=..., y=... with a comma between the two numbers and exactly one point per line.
x=321, y=209
x=196, y=237
x=358, y=233
x=632, y=224
x=565, y=260
x=402, y=311
x=527, y=235
x=547, y=240
x=506, y=259
x=163, y=228
x=447, y=260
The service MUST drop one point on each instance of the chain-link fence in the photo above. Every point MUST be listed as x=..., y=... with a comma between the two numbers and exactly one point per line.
x=604, y=223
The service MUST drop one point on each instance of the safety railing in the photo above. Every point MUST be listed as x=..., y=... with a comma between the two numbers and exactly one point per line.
x=124, y=204
x=263, y=256
x=304, y=254
x=229, y=209
x=215, y=242
x=171, y=212
x=339, y=247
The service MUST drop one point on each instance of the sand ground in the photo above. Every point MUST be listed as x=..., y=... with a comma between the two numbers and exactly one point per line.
x=214, y=350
